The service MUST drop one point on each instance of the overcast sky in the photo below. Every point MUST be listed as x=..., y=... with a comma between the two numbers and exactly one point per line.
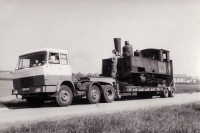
x=86, y=29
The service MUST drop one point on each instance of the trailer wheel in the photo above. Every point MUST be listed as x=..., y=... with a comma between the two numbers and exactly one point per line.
x=64, y=96
x=108, y=94
x=35, y=102
x=93, y=94
x=165, y=93
x=172, y=92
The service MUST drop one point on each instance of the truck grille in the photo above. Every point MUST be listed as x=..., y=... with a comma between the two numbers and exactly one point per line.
x=27, y=82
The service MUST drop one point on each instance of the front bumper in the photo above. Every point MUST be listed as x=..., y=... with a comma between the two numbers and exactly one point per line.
x=34, y=90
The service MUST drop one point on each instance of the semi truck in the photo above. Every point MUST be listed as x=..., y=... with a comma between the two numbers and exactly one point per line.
x=45, y=74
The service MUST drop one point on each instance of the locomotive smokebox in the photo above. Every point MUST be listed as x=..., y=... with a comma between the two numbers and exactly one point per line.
x=117, y=42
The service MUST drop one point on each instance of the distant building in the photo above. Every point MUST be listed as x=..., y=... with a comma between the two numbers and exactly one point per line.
x=183, y=78
x=180, y=78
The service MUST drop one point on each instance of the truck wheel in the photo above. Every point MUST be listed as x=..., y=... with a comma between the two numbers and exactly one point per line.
x=108, y=94
x=165, y=93
x=64, y=96
x=172, y=92
x=35, y=102
x=93, y=94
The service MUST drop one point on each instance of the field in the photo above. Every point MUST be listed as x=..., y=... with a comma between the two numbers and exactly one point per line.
x=187, y=88
x=5, y=87
x=6, y=76
x=172, y=119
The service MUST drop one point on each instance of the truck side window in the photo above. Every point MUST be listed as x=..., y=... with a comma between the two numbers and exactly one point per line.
x=63, y=59
x=54, y=58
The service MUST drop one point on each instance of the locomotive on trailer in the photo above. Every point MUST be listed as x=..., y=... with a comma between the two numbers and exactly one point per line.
x=145, y=68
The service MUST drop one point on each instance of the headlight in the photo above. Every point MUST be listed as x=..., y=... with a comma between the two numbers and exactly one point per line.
x=15, y=92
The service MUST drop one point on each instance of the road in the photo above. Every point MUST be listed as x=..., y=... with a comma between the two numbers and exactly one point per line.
x=27, y=115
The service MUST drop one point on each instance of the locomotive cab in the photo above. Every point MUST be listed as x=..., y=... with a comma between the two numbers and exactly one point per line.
x=156, y=54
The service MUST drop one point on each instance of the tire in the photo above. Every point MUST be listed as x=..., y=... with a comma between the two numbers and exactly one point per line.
x=165, y=93
x=35, y=102
x=108, y=94
x=172, y=92
x=64, y=96
x=93, y=94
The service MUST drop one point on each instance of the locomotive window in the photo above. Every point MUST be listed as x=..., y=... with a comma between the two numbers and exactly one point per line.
x=164, y=56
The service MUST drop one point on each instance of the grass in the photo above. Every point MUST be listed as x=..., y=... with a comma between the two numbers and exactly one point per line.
x=172, y=119
x=187, y=88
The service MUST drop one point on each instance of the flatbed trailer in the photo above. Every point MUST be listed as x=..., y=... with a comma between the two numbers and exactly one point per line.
x=118, y=89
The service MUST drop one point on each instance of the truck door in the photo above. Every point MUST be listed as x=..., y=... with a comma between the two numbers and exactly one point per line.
x=65, y=67
x=54, y=72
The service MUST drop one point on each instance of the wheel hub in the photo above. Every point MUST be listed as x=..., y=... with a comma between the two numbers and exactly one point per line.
x=109, y=93
x=94, y=94
x=64, y=95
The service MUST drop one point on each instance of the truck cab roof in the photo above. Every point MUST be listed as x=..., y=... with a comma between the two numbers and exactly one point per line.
x=45, y=49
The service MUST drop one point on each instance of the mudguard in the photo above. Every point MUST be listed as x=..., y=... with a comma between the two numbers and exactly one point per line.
x=85, y=86
x=69, y=83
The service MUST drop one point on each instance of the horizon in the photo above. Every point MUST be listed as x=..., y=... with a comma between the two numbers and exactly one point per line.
x=175, y=74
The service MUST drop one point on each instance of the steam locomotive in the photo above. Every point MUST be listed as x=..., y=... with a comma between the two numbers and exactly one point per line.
x=148, y=67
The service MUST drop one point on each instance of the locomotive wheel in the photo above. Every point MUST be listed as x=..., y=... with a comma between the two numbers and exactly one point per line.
x=35, y=102
x=165, y=93
x=64, y=96
x=172, y=92
x=93, y=94
x=108, y=94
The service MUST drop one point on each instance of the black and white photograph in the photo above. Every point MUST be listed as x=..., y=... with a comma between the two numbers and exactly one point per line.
x=99, y=66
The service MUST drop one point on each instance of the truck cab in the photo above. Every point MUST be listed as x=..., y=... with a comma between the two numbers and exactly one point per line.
x=40, y=72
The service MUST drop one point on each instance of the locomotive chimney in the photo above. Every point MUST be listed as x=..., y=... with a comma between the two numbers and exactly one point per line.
x=117, y=42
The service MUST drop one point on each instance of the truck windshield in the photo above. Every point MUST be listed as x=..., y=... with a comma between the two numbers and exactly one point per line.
x=32, y=60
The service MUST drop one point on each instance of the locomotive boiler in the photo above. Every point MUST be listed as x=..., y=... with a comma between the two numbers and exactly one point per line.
x=147, y=67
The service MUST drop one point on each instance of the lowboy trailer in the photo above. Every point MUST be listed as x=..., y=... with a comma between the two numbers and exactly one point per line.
x=45, y=74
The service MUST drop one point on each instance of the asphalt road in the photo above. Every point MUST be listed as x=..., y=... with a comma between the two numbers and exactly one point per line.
x=9, y=117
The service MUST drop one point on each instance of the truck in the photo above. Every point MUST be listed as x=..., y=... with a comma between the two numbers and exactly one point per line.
x=45, y=74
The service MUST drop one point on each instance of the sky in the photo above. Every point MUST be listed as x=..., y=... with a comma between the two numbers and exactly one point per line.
x=87, y=28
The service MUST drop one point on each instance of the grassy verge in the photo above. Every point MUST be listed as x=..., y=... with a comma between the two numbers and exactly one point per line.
x=173, y=119
x=16, y=103
x=187, y=88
